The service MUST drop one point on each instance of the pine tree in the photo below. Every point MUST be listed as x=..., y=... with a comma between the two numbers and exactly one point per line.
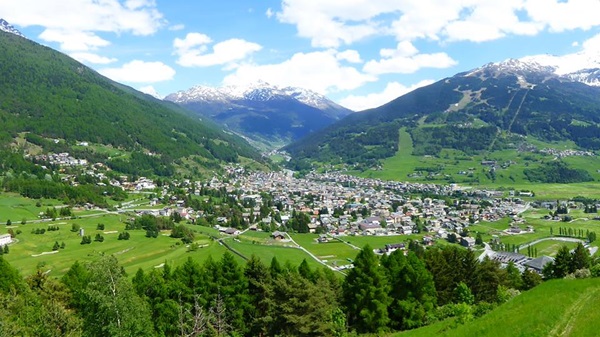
x=562, y=263
x=412, y=291
x=580, y=258
x=259, y=315
x=365, y=294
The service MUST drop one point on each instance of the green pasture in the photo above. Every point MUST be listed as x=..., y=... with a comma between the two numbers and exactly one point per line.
x=266, y=253
x=32, y=251
x=333, y=252
x=549, y=247
x=379, y=241
x=554, y=308
x=453, y=166
x=15, y=208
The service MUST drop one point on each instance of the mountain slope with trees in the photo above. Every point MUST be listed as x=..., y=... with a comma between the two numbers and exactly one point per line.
x=495, y=107
x=51, y=96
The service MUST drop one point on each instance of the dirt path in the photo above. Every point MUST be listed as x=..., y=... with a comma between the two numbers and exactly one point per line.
x=564, y=326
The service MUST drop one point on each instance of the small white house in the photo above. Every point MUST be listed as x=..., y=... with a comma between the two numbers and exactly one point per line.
x=5, y=239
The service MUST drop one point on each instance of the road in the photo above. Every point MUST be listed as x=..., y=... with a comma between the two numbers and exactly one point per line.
x=552, y=238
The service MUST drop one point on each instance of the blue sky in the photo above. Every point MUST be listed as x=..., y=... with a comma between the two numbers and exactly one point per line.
x=360, y=53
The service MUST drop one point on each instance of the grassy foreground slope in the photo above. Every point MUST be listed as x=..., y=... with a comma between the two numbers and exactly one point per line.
x=554, y=308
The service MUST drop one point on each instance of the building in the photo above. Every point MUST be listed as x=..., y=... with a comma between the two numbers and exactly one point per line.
x=5, y=239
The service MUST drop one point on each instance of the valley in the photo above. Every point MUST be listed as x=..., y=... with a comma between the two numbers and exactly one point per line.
x=262, y=209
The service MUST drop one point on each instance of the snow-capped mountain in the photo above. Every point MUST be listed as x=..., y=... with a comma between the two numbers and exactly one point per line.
x=581, y=67
x=7, y=27
x=268, y=112
x=259, y=91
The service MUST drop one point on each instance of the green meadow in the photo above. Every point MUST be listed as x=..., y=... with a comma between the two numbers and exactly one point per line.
x=35, y=251
x=452, y=166
x=554, y=308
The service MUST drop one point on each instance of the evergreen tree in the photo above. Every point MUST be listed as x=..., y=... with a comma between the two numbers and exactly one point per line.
x=489, y=277
x=530, y=279
x=580, y=258
x=514, y=279
x=365, y=293
x=562, y=263
x=259, y=316
x=301, y=307
x=305, y=271
x=412, y=291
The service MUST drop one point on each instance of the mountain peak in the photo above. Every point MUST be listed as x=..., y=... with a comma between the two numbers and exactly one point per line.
x=7, y=27
x=255, y=91
x=511, y=66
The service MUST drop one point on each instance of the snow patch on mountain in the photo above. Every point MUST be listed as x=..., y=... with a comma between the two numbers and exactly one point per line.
x=258, y=91
x=7, y=27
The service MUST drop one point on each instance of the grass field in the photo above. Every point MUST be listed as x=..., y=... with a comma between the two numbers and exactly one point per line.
x=452, y=166
x=334, y=252
x=33, y=251
x=549, y=247
x=376, y=241
x=285, y=255
x=554, y=308
x=16, y=208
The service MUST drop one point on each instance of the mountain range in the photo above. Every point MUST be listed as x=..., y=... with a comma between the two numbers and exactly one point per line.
x=490, y=108
x=263, y=112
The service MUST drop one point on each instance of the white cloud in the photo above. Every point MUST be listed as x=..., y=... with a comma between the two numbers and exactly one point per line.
x=318, y=71
x=67, y=21
x=177, y=27
x=192, y=51
x=269, y=13
x=74, y=41
x=565, y=15
x=140, y=72
x=585, y=58
x=150, y=91
x=392, y=91
x=349, y=55
x=335, y=22
x=92, y=58
x=405, y=59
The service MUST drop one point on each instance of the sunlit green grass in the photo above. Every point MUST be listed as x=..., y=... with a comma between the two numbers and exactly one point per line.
x=554, y=308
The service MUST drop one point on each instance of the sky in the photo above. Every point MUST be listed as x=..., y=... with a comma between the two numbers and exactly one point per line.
x=359, y=53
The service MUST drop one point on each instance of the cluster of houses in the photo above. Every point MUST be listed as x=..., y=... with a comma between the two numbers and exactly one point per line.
x=61, y=159
x=344, y=205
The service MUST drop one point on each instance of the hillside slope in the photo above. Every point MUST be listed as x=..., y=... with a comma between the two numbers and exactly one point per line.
x=47, y=94
x=495, y=107
x=554, y=308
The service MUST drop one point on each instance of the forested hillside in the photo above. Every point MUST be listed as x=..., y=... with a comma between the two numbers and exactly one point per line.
x=50, y=95
x=495, y=107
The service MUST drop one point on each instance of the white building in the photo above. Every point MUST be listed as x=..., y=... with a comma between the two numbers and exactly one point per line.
x=5, y=239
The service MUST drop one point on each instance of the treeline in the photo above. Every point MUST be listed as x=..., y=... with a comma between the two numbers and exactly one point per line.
x=557, y=172
x=431, y=140
x=223, y=298
x=35, y=188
